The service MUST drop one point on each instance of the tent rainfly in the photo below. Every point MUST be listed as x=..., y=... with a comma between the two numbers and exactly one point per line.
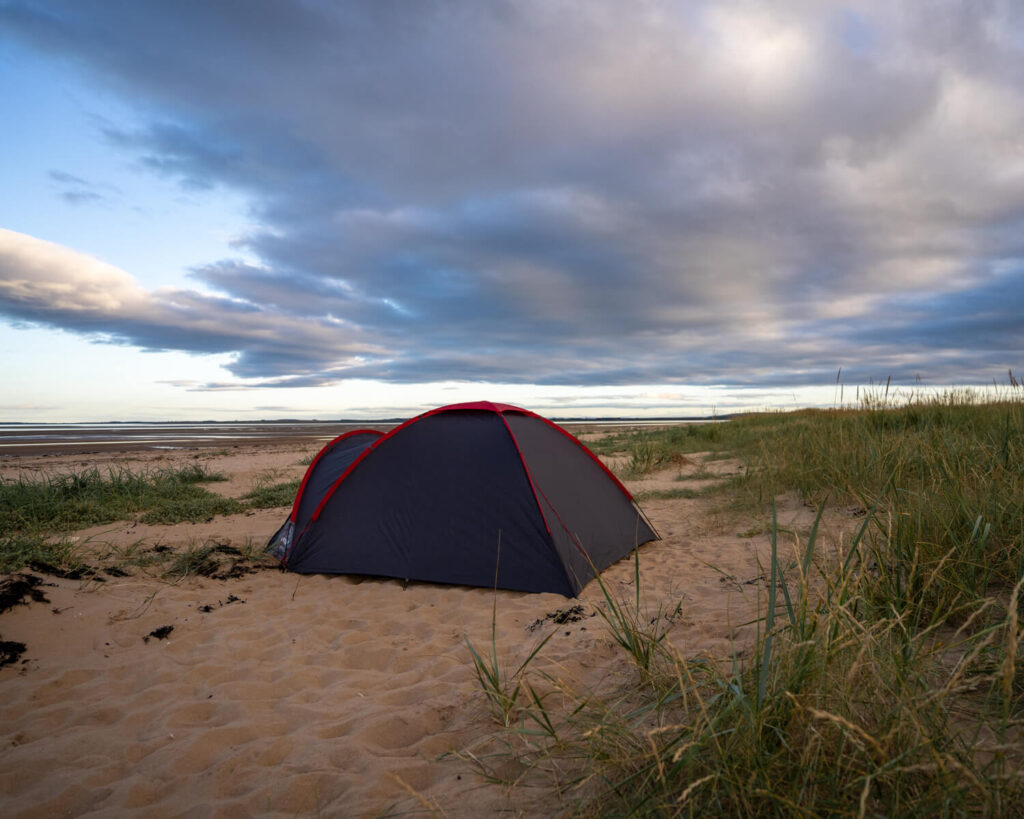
x=476, y=494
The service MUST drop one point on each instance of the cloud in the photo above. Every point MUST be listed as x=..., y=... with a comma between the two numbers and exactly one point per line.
x=77, y=191
x=45, y=284
x=29, y=407
x=564, y=193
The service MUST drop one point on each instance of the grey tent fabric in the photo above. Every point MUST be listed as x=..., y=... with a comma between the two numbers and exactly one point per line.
x=477, y=494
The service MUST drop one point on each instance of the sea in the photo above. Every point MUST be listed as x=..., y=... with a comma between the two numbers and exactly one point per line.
x=44, y=439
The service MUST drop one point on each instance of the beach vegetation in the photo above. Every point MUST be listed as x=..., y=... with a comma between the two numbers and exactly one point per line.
x=38, y=511
x=886, y=676
x=269, y=493
x=633, y=628
x=193, y=560
x=75, y=500
x=650, y=449
x=674, y=493
x=501, y=688
x=505, y=691
x=18, y=549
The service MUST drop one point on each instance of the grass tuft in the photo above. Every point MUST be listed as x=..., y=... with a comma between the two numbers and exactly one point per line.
x=632, y=627
x=267, y=494
x=18, y=549
x=501, y=688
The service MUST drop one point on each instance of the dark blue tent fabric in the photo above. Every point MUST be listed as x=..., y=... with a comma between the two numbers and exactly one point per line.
x=329, y=465
x=475, y=496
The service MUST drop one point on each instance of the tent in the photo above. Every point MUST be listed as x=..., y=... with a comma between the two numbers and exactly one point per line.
x=476, y=494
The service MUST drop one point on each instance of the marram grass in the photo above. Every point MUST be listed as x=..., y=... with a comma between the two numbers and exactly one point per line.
x=886, y=680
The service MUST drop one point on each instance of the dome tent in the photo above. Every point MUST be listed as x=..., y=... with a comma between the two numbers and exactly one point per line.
x=476, y=494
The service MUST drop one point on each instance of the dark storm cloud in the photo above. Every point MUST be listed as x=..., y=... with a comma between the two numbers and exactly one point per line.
x=567, y=193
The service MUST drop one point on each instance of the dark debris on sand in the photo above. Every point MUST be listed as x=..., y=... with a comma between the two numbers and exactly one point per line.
x=14, y=590
x=10, y=652
x=83, y=572
x=572, y=614
x=206, y=609
x=236, y=570
x=159, y=633
x=208, y=565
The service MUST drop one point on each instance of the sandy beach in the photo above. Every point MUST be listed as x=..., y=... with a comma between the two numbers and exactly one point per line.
x=269, y=693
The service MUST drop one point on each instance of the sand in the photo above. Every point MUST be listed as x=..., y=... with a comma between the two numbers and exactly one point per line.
x=279, y=694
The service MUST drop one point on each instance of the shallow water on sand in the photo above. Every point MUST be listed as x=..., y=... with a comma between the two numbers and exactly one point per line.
x=45, y=439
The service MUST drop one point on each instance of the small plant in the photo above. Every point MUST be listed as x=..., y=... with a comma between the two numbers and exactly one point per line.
x=501, y=688
x=640, y=635
x=679, y=492
x=267, y=495
x=134, y=555
x=18, y=549
x=643, y=457
x=221, y=561
x=195, y=560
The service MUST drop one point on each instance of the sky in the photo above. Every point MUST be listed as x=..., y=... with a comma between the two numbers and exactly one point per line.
x=251, y=209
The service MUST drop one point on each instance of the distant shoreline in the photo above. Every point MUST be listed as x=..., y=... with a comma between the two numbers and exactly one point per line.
x=581, y=419
x=25, y=438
